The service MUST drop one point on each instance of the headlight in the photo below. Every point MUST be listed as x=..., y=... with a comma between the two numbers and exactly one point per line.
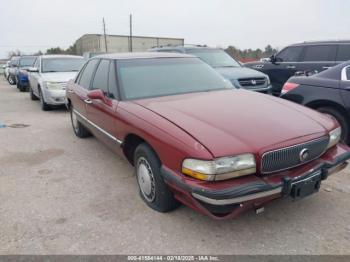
x=334, y=137
x=268, y=82
x=220, y=168
x=53, y=86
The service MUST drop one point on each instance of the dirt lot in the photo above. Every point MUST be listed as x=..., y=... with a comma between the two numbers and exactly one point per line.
x=64, y=195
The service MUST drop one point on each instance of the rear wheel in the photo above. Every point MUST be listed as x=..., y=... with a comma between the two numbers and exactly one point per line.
x=153, y=190
x=78, y=128
x=341, y=120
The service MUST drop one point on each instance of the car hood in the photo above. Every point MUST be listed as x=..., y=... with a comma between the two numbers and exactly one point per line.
x=58, y=76
x=238, y=72
x=231, y=122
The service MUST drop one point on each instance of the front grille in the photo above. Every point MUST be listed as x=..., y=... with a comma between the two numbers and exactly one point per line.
x=289, y=157
x=252, y=82
x=63, y=85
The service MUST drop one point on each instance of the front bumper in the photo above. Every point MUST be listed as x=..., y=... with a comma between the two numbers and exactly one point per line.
x=229, y=198
x=54, y=97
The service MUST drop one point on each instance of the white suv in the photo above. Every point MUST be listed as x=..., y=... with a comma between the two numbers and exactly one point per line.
x=49, y=76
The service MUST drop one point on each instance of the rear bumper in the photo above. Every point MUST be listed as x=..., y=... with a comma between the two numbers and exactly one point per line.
x=234, y=196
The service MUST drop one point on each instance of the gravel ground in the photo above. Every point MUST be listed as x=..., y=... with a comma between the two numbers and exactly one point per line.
x=64, y=195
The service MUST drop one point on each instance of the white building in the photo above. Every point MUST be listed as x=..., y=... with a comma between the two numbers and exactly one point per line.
x=95, y=43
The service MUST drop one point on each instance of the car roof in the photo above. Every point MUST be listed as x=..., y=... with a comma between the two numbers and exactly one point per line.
x=61, y=56
x=322, y=42
x=182, y=47
x=138, y=55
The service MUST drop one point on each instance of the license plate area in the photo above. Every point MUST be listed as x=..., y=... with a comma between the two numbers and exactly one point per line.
x=306, y=186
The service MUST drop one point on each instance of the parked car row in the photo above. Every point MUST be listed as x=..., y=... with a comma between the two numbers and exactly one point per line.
x=192, y=136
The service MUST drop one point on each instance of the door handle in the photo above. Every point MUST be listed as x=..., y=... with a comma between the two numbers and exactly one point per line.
x=87, y=101
x=290, y=67
x=326, y=67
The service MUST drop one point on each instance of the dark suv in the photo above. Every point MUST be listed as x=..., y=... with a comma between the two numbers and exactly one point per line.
x=229, y=68
x=302, y=58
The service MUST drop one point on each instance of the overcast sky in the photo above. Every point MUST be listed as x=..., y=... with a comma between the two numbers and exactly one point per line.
x=39, y=24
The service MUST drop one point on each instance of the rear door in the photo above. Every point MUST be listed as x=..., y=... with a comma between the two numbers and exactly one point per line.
x=318, y=57
x=343, y=53
x=101, y=112
x=82, y=86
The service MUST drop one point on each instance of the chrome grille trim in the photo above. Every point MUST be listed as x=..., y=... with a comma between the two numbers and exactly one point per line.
x=288, y=157
x=248, y=82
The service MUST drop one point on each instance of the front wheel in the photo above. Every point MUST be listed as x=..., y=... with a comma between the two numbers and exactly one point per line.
x=43, y=105
x=32, y=95
x=78, y=128
x=341, y=120
x=11, y=80
x=153, y=190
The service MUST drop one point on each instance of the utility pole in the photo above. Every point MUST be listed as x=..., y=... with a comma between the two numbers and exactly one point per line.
x=130, y=48
x=104, y=33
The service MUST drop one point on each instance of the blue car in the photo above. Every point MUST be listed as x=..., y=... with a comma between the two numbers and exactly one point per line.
x=21, y=73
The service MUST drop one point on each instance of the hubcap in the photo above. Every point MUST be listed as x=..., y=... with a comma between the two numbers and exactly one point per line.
x=145, y=179
x=75, y=121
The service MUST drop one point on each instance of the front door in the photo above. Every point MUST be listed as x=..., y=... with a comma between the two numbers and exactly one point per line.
x=102, y=112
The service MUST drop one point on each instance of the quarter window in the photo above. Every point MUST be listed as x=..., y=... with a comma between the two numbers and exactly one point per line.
x=86, y=76
x=320, y=53
x=290, y=54
x=343, y=53
x=101, y=77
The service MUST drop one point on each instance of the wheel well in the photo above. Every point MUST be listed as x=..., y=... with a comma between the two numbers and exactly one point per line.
x=339, y=108
x=130, y=143
x=69, y=103
x=323, y=103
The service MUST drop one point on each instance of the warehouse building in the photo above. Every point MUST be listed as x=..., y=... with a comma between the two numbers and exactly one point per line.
x=95, y=43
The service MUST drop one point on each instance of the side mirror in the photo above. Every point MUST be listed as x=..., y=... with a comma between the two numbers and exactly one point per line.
x=96, y=94
x=273, y=58
x=33, y=69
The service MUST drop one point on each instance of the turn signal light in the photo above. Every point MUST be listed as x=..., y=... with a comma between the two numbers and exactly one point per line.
x=288, y=87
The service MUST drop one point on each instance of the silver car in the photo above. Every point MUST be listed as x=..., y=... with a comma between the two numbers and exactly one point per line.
x=49, y=76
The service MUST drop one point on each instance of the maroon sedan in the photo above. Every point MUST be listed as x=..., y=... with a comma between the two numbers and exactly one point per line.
x=194, y=139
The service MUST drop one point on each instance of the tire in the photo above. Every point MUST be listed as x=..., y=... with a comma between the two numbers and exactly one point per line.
x=43, y=105
x=32, y=95
x=79, y=130
x=11, y=80
x=341, y=120
x=21, y=88
x=153, y=190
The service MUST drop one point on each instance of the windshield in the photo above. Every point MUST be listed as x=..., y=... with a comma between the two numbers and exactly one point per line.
x=62, y=64
x=144, y=78
x=214, y=57
x=27, y=61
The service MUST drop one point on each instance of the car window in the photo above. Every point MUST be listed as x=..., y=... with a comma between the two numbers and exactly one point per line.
x=142, y=78
x=348, y=73
x=320, y=53
x=290, y=54
x=101, y=77
x=343, y=53
x=112, y=82
x=86, y=76
x=27, y=61
x=214, y=57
